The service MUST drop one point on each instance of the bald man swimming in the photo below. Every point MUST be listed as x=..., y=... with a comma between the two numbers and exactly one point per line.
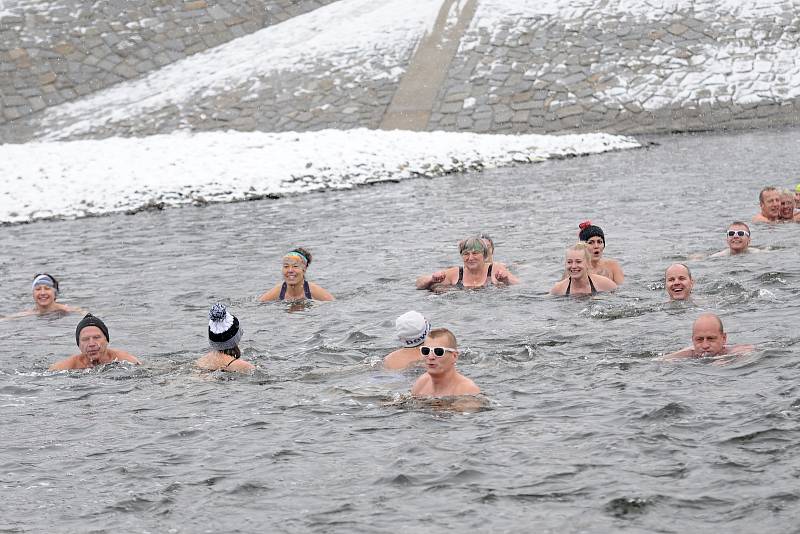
x=708, y=339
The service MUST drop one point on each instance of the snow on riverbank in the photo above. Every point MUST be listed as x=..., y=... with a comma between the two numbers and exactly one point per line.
x=56, y=180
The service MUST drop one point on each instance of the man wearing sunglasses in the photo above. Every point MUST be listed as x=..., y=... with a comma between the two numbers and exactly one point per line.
x=439, y=353
x=738, y=236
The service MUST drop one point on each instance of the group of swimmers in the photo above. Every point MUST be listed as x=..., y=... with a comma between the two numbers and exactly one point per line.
x=586, y=272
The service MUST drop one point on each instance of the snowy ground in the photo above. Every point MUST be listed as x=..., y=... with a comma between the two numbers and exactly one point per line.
x=82, y=178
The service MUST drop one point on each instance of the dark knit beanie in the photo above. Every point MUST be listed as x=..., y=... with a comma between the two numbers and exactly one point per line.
x=588, y=231
x=90, y=320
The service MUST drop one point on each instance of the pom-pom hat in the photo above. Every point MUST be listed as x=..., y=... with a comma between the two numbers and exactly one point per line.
x=223, y=328
x=588, y=231
x=90, y=320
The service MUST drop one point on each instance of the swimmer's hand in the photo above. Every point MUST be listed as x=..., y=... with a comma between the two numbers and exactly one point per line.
x=438, y=277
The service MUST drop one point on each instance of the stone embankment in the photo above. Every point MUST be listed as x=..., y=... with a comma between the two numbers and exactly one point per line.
x=57, y=51
x=620, y=66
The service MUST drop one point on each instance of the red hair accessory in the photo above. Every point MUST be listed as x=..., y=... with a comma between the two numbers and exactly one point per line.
x=584, y=225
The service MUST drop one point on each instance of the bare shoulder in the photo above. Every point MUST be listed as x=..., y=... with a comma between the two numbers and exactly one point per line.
x=422, y=386
x=122, y=355
x=241, y=366
x=400, y=359
x=467, y=387
x=73, y=362
x=319, y=293
x=688, y=352
x=560, y=288
x=603, y=282
x=737, y=349
x=721, y=253
x=272, y=294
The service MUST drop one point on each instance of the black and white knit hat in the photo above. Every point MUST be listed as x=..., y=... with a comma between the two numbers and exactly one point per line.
x=223, y=328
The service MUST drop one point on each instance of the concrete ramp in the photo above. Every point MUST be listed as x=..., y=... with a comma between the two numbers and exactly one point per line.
x=416, y=94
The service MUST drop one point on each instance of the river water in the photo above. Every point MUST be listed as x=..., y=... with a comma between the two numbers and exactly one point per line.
x=584, y=431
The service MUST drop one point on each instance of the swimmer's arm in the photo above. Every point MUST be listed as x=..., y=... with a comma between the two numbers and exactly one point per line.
x=738, y=349
x=503, y=276
x=64, y=365
x=688, y=352
x=616, y=272
x=318, y=293
x=272, y=294
x=17, y=315
x=467, y=404
x=123, y=356
x=427, y=280
x=721, y=253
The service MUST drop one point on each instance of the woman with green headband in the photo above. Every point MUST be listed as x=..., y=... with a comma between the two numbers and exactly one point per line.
x=475, y=273
x=295, y=286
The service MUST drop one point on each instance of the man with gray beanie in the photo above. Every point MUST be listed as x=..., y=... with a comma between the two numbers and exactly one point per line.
x=411, y=329
x=92, y=338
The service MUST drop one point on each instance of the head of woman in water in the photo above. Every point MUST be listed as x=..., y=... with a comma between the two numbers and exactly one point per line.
x=295, y=263
x=45, y=290
x=594, y=237
x=473, y=251
x=489, y=242
x=578, y=260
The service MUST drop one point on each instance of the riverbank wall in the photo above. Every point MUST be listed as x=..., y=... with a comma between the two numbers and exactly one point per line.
x=624, y=66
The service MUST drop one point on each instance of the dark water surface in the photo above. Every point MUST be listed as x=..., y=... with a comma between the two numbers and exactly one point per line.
x=584, y=432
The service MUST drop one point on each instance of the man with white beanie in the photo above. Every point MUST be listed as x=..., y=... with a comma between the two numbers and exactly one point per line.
x=411, y=329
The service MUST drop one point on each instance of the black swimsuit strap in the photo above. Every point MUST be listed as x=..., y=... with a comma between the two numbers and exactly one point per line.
x=307, y=289
x=283, y=292
x=460, y=282
x=569, y=285
x=591, y=285
x=488, y=281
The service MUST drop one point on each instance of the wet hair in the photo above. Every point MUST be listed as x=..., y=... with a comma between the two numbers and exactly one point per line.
x=739, y=223
x=50, y=276
x=681, y=264
x=302, y=252
x=589, y=230
x=766, y=189
x=473, y=243
x=582, y=246
x=444, y=332
x=233, y=352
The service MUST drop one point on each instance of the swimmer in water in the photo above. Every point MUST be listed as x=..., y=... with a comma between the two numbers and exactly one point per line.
x=594, y=237
x=439, y=354
x=577, y=280
x=797, y=199
x=92, y=337
x=295, y=286
x=45, y=293
x=738, y=236
x=678, y=281
x=788, y=206
x=475, y=273
x=490, y=246
x=708, y=339
x=224, y=334
x=411, y=329
x=770, y=200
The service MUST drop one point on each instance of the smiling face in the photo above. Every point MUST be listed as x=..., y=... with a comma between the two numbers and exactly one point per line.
x=737, y=243
x=596, y=246
x=44, y=295
x=787, y=205
x=679, y=282
x=771, y=204
x=93, y=343
x=708, y=338
x=576, y=264
x=294, y=271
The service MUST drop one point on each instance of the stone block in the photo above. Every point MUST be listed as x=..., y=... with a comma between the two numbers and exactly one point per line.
x=195, y=5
